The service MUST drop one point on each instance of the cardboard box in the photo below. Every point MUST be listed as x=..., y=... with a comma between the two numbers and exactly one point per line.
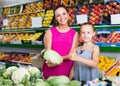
x=37, y=61
x=113, y=70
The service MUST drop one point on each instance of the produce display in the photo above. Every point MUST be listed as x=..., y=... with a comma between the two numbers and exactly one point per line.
x=12, y=37
x=6, y=11
x=55, y=3
x=96, y=14
x=34, y=7
x=19, y=17
x=65, y=2
x=47, y=4
x=12, y=10
x=110, y=8
x=107, y=38
x=47, y=20
x=72, y=11
x=16, y=57
x=31, y=76
x=84, y=10
x=114, y=70
x=106, y=62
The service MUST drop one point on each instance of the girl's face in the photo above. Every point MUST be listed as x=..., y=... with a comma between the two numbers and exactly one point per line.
x=87, y=33
x=61, y=16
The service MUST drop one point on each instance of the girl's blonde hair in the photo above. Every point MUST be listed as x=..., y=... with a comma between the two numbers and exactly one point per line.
x=86, y=23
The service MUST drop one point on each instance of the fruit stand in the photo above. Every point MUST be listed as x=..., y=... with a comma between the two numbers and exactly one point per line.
x=21, y=42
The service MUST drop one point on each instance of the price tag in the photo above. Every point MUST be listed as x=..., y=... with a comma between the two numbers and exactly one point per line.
x=2, y=64
x=81, y=18
x=5, y=22
x=36, y=22
x=115, y=19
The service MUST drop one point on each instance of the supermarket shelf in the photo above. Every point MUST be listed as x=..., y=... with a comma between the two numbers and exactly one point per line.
x=109, y=49
x=24, y=30
x=45, y=28
x=102, y=48
x=22, y=45
x=99, y=27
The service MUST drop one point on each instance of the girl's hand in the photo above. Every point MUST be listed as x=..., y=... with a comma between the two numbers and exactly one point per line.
x=50, y=64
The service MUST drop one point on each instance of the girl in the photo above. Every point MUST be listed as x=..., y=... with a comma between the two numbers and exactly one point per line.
x=87, y=55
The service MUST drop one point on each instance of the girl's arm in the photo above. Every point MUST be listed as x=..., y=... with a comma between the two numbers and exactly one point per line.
x=90, y=63
x=74, y=45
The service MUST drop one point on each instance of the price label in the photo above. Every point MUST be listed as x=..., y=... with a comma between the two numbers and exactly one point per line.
x=81, y=18
x=36, y=22
x=115, y=19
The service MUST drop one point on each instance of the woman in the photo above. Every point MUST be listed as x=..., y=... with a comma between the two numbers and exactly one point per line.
x=62, y=39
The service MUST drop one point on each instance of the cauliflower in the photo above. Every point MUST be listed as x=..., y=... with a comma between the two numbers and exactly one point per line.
x=21, y=75
x=9, y=71
x=35, y=73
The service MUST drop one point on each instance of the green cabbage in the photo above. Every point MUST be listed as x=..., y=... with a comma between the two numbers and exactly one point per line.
x=42, y=83
x=58, y=80
x=52, y=56
x=74, y=83
x=35, y=73
x=63, y=85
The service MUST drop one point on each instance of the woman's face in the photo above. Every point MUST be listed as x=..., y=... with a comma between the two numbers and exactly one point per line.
x=61, y=16
x=87, y=33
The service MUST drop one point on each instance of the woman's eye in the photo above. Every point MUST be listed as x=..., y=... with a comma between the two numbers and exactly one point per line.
x=57, y=15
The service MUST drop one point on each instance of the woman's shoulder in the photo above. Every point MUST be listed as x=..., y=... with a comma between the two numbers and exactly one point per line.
x=50, y=29
x=73, y=29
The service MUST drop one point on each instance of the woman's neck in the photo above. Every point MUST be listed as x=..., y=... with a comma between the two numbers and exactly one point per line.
x=63, y=28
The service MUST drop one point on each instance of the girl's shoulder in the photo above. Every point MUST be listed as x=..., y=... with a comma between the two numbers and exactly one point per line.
x=95, y=47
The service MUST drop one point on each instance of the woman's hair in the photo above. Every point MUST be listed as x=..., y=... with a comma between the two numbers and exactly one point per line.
x=55, y=23
x=86, y=23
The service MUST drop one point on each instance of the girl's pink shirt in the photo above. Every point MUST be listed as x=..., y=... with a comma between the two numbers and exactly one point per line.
x=62, y=43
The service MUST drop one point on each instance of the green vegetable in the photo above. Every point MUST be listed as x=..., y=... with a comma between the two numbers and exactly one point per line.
x=63, y=85
x=74, y=83
x=9, y=71
x=19, y=84
x=52, y=56
x=2, y=70
x=58, y=80
x=42, y=83
x=21, y=75
x=7, y=82
x=35, y=73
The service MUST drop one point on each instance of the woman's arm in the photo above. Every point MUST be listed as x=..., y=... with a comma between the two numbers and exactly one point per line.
x=74, y=45
x=71, y=75
x=90, y=63
x=47, y=39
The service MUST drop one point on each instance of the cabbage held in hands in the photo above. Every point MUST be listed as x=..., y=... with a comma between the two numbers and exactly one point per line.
x=52, y=56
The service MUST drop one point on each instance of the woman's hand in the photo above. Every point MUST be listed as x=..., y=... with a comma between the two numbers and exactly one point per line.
x=50, y=64
x=73, y=56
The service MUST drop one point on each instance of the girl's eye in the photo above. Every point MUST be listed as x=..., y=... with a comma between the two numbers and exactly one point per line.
x=88, y=32
x=64, y=13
